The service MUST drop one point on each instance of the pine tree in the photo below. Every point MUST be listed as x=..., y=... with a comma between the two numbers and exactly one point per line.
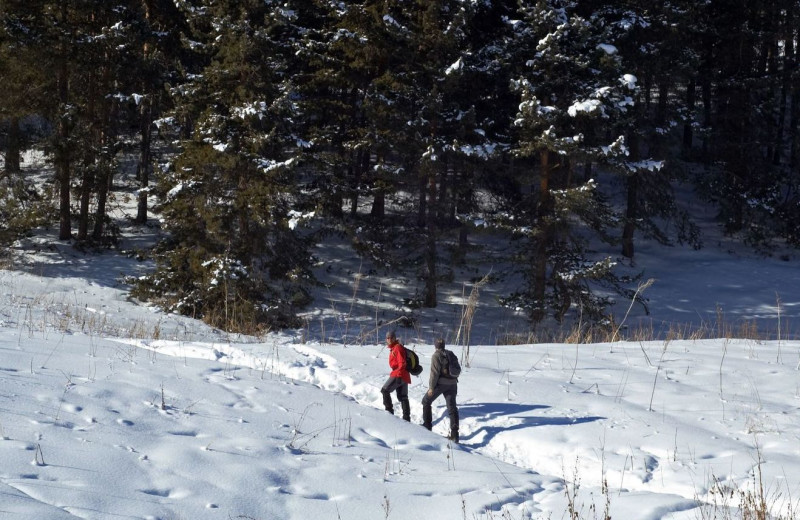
x=232, y=257
x=155, y=52
x=422, y=115
x=745, y=179
x=574, y=97
x=337, y=59
x=99, y=63
x=647, y=39
x=378, y=99
x=24, y=89
x=23, y=84
x=73, y=42
x=43, y=30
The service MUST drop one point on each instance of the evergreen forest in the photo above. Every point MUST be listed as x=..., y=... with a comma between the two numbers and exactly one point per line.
x=258, y=128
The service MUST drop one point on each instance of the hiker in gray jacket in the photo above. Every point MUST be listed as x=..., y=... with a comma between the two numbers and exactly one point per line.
x=441, y=383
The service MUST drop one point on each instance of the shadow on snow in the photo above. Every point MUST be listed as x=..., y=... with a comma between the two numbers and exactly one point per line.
x=516, y=417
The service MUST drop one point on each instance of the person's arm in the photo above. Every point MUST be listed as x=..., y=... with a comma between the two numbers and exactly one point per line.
x=436, y=368
x=401, y=356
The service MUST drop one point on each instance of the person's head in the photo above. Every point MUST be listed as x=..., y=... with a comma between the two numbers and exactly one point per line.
x=391, y=337
x=439, y=343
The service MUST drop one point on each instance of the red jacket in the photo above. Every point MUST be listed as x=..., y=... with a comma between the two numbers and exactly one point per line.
x=397, y=361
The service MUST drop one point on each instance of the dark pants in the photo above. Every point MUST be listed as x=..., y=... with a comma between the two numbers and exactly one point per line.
x=449, y=392
x=392, y=384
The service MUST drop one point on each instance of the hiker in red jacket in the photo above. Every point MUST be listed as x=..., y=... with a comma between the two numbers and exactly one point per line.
x=399, y=379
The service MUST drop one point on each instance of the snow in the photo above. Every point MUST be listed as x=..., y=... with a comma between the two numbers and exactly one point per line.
x=648, y=165
x=608, y=48
x=295, y=217
x=481, y=151
x=268, y=165
x=629, y=81
x=389, y=20
x=110, y=408
x=588, y=106
x=197, y=425
x=455, y=67
x=256, y=108
x=178, y=188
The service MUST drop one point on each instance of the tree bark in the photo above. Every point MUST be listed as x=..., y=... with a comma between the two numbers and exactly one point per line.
x=706, y=73
x=378, y=210
x=89, y=160
x=794, y=106
x=62, y=160
x=422, y=210
x=145, y=162
x=632, y=208
x=786, y=81
x=12, y=163
x=430, y=297
x=545, y=236
x=630, y=215
x=358, y=165
x=688, y=129
x=104, y=173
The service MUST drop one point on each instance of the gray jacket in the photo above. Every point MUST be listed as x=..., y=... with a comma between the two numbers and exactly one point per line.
x=437, y=377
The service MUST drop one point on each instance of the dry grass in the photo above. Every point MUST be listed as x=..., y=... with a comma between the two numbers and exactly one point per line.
x=652, y=331
x=66, y=316
x=61, y=316
x=755, y=501
x=464, y=332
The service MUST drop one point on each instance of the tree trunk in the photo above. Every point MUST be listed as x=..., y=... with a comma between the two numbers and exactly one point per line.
x=688, y=130
x=422, y=210
x=89, y=160
x=430, y=297
x=786, y=83
x=62, y=151
x=706, y=72
x=545, y=235
x=630, y=216
x=632, y=208
x=12, y=166
x=104, y=171
x=442, y=202
x=145, y=163
x=794, y=106
x=104, y=174
x=378, y=210
x=87, y=180
x=358, y=166
x=461, y=202
x=663, y=97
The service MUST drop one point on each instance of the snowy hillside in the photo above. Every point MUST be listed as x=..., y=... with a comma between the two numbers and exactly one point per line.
x=99, y=419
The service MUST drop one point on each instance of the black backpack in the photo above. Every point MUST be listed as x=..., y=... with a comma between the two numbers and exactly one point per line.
x=452, y=368
x=412, y=363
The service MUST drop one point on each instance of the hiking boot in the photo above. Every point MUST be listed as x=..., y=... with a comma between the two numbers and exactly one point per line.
x=406, y=410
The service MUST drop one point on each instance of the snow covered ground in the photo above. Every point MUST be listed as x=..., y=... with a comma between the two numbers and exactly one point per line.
x=111, y=409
